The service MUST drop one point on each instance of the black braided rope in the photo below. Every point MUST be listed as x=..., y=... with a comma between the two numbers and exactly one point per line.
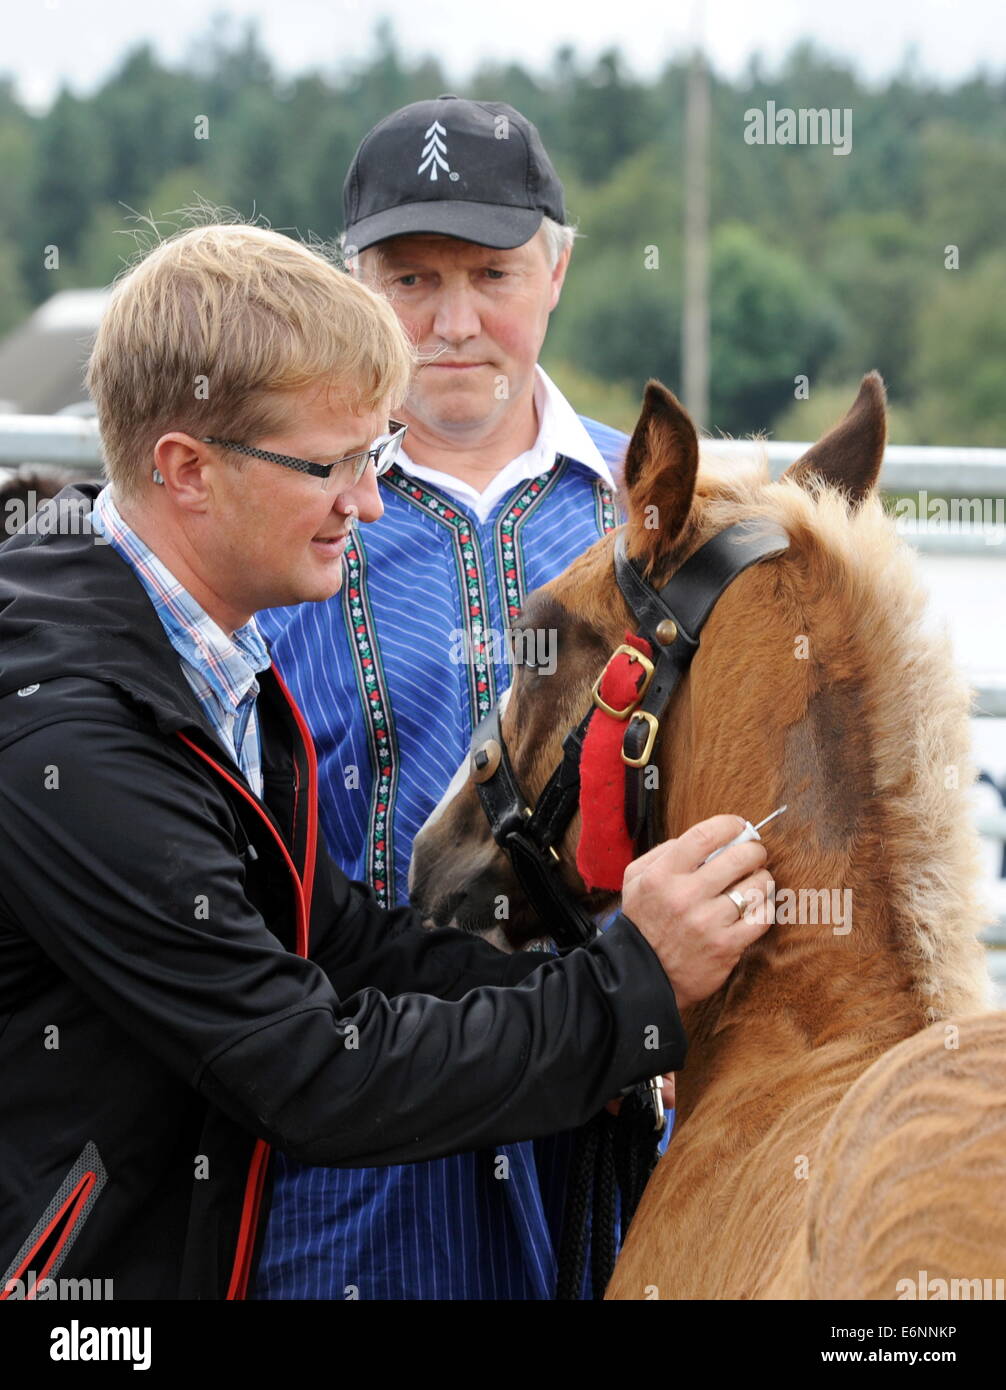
x=611, y=1153
x=573, y=1241
x=604, y=1236
x=636, y=1154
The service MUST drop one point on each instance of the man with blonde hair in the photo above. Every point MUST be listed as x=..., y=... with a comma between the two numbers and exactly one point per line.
x=187, y=981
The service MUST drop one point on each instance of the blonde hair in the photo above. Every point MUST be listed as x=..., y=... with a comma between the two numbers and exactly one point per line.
x=208, y=331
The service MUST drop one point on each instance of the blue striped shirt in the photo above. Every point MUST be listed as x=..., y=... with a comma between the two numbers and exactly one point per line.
x=392, y=714
x=221, y=670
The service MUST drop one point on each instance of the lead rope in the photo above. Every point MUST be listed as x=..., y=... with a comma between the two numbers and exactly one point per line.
x=573, y=1241
x=613, y=1155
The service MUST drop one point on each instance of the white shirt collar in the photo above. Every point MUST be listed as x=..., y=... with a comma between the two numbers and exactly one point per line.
x=560, y=431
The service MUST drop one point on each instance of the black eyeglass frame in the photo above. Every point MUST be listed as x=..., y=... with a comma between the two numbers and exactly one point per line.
x=389, y=442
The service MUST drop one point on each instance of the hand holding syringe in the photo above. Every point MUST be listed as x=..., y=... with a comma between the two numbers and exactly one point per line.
x=750, y=832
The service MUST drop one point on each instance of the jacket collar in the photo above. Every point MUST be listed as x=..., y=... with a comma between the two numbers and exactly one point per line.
x=70, y=605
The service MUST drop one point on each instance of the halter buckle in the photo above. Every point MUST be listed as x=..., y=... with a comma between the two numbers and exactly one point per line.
x=634, y=655
x=654, y=725
x=527, y=813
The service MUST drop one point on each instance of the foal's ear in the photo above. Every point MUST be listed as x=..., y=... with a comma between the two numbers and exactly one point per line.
x=849, y=456
x=660, y=467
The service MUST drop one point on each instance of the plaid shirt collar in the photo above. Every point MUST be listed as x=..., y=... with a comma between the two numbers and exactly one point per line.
x=225, y=666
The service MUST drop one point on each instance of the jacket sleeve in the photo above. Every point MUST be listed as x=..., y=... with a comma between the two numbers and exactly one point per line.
x=123, y=870
x=363, y=944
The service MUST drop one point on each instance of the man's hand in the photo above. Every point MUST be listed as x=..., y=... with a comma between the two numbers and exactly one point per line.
x=680, y=904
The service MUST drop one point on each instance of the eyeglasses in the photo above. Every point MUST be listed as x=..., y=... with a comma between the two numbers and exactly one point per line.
x=384, y=451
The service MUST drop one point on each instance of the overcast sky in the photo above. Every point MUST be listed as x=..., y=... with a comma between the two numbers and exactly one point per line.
x=46, y=42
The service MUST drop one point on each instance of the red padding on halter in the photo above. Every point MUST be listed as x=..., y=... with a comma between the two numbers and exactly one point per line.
x=605, y=849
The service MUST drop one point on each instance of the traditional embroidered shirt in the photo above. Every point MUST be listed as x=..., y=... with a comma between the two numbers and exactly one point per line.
x=392, y=674
x=560, y=431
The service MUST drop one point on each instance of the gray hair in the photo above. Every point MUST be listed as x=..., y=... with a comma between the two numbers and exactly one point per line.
x=558, y=239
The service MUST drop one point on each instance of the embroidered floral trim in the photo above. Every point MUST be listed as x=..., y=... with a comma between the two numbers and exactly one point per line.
x=471, y=577
x=604, y=507
x=373, y=689
x=509, y=552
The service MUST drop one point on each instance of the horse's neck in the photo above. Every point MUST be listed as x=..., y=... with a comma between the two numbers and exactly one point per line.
x=827, y=987
x=810, y=998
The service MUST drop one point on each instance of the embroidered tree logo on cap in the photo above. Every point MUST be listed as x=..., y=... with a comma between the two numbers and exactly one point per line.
x=434, y=151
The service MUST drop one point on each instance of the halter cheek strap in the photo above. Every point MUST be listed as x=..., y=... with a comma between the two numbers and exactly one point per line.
x=529, y=837
x=672, y=619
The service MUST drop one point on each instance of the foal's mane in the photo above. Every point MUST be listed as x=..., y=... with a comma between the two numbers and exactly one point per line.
x=849, y=561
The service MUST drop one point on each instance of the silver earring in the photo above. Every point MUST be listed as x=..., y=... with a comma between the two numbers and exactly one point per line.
x=157, y=477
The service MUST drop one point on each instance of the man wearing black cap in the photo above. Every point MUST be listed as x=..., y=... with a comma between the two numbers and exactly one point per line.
x=454, y=210
x=460, y=185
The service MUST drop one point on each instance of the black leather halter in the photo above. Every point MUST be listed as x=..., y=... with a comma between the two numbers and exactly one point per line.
x=671, y=620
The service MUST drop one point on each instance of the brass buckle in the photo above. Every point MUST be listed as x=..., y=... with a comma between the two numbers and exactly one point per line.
x=528, y=813
x=644, y=756
x=633, y=655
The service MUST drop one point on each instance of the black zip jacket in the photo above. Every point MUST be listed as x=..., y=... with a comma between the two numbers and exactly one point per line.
x=188, y=981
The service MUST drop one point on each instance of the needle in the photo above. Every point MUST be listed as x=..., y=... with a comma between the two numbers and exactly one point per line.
x=750, y=832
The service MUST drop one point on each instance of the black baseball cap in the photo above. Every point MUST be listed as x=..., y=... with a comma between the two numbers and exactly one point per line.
x=476, y=170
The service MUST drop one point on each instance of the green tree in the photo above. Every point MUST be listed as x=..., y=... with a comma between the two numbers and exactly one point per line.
x=770, y=321
x=14, y=301
x=146, y=125
x=959, y=367
x=874, y=264
x=959, y=163
x=17, y=163
x=822, y=265
x=68, y=178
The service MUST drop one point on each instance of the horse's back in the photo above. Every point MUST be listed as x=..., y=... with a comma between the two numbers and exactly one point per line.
x=911, y=1172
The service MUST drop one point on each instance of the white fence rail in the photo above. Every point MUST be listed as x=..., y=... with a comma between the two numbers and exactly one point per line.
x=907, y=467
x=64, y=441
x=72, y=441
x=970, y=476
x=976, y=478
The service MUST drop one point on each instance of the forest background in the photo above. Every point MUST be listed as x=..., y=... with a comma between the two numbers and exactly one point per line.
x=822, y=265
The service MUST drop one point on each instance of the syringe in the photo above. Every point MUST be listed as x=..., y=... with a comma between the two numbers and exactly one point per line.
x=750, y=832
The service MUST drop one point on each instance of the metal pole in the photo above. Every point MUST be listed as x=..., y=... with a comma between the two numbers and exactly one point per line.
x=695, y=318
